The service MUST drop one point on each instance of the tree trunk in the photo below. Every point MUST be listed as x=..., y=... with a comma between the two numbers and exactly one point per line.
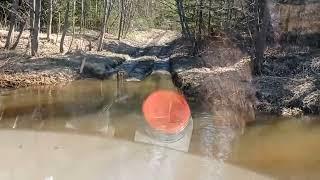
x=32, y=4
x=82, y=16
x=209, y=18
x=65, y=27
x=96, y=16
x=109, y=13
x=36, y=29
x=22, y=26
x=58, y=27
x=49, y=20
x=200, y=21
x=130, y=13
x=81, y=23
x=86, y=7
x=183, y=28
x=5, y=20
x=73, y=23
x=106, y=13
x=183, y=20
x=260, y=36
x=10, y=35
x=31, y=11
x=121, y=18
x=124, y=16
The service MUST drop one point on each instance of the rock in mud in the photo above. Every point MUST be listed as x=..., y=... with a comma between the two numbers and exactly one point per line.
x=125, y=68
x=161, y=66
x=141, y=71
x=96, y=66
x=134, y=69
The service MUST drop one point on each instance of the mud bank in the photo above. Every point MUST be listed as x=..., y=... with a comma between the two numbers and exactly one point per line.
x=18, y=70
x=50, y=67
x=219, y=81
x=288, y=86
x=136, y=57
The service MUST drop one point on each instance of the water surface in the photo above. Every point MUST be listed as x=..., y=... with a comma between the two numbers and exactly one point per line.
x=283, y=148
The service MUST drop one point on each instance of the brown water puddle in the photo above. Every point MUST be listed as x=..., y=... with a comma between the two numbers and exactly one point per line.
x=284, y=148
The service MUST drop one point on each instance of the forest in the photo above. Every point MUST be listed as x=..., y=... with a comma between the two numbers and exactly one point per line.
x=197, y=19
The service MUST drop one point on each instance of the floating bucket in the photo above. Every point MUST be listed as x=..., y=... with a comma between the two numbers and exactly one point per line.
x=167, y=115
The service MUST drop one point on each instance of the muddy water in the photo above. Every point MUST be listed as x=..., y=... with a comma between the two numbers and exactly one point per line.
x=284, y=148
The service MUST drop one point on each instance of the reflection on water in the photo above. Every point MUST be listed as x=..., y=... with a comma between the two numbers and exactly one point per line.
x=214, y=142
x=156, y=161
x=211, y=142
x=83, y=105
x=281, y=147
x=277, y=147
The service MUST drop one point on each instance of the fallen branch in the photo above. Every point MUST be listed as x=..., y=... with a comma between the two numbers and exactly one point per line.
x=82, y=65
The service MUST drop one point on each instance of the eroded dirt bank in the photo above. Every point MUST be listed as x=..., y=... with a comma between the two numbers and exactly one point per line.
x=289, y=84
x=138, y=56
x=219, y=80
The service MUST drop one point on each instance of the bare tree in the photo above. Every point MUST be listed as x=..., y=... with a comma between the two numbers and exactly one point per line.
x=49, y=20
x=81, y=22
x=36, y=28
x=73, y=23
x=185, y=26
x=106, y=14
x=121, y=7
x=82, y=15
x=65, y=26
x=260, y=32
x=200, y=19
x=130, y=10
x=58, y=26
x=32, y=7
x=209, y=17
x=10, y=35
x=3, y=23
x=183, y=20
x=109, y=13
x=22, y=26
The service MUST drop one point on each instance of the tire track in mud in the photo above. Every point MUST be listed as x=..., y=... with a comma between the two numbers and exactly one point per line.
x=153, y=58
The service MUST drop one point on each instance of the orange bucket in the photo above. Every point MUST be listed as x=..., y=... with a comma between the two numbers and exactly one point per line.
x=166, y=111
